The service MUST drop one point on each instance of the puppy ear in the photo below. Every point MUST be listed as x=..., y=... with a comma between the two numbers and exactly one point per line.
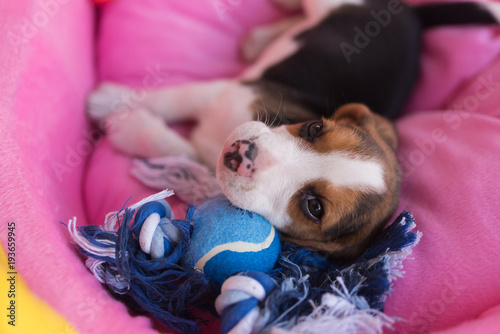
x=387, y=131
x=354, y=113
x=358, y=114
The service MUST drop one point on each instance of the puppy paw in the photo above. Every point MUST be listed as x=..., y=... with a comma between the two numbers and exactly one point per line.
x=254, y=43
x=259, y=38
x=107, y=99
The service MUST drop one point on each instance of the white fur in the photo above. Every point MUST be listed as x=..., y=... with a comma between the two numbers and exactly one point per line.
x=319, y=8
x=137, y=126
x=262, y=36
x=284, y=165
x=141, y=133
x=493, y=8
x=281, y=49
x=231, y=109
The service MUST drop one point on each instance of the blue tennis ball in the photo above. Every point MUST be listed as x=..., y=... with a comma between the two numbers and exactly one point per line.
x=227, y=240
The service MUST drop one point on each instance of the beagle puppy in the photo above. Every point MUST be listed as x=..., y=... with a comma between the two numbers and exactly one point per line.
x=304, y=136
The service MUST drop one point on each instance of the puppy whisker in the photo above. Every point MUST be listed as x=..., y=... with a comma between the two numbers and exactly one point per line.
x=266, y=113
x=278, y=113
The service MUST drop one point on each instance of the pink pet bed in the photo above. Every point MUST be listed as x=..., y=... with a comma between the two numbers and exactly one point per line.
x=55, y=166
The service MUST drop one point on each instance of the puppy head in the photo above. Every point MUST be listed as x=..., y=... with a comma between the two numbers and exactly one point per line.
x=330, y=184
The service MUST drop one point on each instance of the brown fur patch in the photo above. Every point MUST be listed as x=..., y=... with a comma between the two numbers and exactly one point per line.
x=352, y=217
x=339, y=137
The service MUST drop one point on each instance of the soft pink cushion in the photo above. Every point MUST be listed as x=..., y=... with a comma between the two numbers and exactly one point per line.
x=47, y=70
x=449, y=158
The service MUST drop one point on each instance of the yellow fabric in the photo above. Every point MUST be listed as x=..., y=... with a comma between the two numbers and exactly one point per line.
x=31, y=315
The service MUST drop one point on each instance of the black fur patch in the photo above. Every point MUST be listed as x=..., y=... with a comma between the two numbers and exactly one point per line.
x=440, y=14
x=380, y=74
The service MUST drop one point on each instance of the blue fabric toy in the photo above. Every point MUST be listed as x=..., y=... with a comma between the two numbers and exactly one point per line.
x=167, y=267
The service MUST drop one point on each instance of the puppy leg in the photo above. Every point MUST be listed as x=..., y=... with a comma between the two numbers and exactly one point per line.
x=316, y=9
x=170, y=103
x=110, y=98
x=259, y=38
x=235, y=106
x=143, y=134
x=218, y=106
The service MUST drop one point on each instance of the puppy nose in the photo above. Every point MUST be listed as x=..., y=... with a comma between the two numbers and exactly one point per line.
x=233, y=160
x=241, y=156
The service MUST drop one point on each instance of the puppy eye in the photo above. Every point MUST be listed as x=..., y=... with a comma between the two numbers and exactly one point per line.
x=313, y=208
x=311, y=130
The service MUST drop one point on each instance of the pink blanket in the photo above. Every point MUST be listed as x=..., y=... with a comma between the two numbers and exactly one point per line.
x=450, y=144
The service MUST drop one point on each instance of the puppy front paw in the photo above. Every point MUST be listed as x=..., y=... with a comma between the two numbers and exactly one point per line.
x=260, y=37
x=254, y=43
x=107, y=99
